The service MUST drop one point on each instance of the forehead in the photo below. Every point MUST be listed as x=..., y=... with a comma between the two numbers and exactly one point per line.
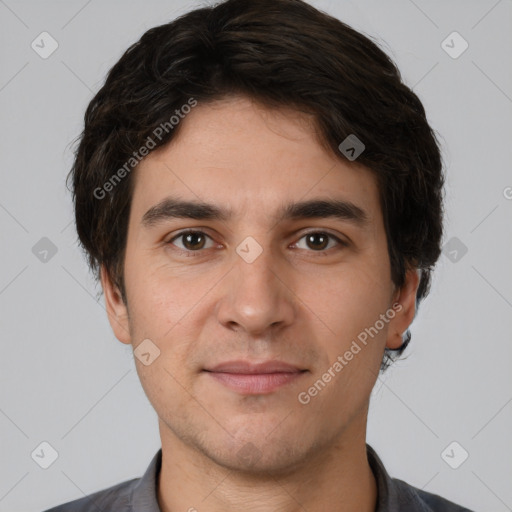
x=248, y=158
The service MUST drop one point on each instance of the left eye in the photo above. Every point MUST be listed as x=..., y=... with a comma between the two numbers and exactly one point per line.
x=319, y=241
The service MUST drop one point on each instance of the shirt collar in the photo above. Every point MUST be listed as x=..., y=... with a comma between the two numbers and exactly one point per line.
x=393, y=495
x=144, y=494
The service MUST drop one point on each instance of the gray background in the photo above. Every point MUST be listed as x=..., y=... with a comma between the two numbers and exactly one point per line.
x=66, y=380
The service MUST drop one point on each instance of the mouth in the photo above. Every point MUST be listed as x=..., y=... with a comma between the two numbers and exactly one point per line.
x=255, y=379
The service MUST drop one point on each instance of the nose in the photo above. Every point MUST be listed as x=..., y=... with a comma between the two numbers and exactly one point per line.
x=257, y=297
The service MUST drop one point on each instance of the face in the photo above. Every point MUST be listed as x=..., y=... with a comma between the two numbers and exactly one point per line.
x=255, y=261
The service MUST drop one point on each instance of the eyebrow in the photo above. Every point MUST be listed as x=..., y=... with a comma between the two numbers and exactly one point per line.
x=172, y=208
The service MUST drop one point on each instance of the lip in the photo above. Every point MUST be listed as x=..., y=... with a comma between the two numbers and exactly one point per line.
x=254, y=378
x=246, y=367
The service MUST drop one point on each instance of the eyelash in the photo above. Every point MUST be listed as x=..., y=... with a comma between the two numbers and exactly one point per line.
x=199, y=251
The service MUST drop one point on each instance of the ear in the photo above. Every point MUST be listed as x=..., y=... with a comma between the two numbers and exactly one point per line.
x=405, y=298
x=117, y=310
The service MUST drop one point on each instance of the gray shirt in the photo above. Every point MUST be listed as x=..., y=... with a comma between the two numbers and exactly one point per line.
x=139, y=494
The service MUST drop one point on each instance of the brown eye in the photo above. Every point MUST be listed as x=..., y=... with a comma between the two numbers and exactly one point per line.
x=319, y=241
x=190, y=240
x=193, y=241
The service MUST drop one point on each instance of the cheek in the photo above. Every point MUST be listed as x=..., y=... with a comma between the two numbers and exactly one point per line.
x=160, y=296
x=350, y=300
x=163, y=385
x=168, y=310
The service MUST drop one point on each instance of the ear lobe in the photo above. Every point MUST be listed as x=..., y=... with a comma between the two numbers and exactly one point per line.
x=406, y=298
x=117, y=310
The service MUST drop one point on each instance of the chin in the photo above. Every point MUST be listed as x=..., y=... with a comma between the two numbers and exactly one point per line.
x=257, y=455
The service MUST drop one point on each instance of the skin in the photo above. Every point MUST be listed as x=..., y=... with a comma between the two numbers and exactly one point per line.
x=300, y=301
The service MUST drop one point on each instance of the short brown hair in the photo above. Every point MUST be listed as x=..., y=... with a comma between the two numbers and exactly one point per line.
x=280, y=53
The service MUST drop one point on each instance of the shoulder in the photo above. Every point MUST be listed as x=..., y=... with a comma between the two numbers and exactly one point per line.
x=116, y=498
x=132, y=495
x=395, y=495
x=413, y=499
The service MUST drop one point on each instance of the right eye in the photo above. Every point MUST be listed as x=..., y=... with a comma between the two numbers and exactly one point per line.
x=191, y=241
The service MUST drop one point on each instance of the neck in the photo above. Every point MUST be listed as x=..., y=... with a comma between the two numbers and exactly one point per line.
x=337, y=478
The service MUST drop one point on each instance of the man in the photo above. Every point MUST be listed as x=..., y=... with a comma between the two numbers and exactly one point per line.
x=261, y=197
